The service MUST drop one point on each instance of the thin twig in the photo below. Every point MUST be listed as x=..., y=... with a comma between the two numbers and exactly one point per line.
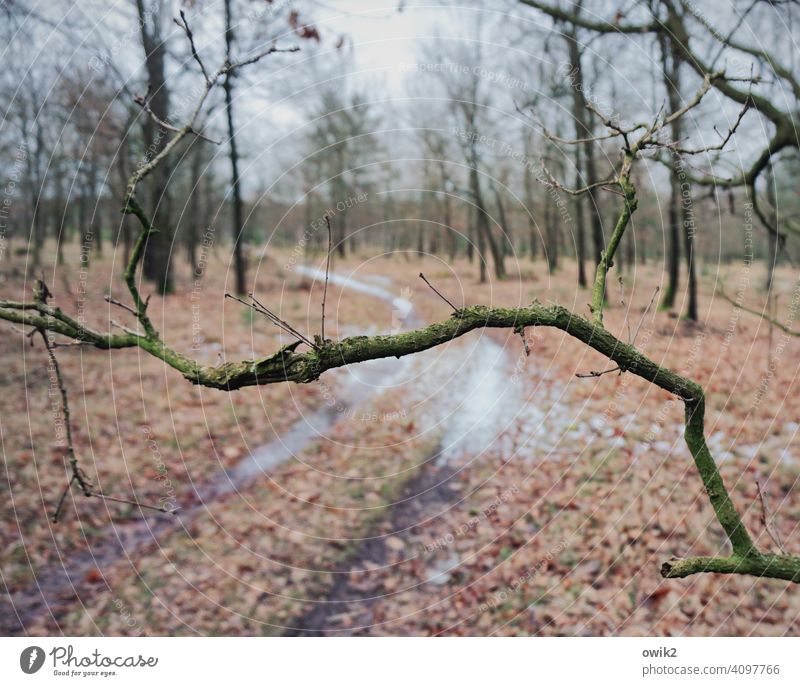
x=783, y=327
x=126, y=329
x=552, y=182
x=422, y=276
x=591, y=375
x=252, y=60
x=42, y=294
x=136, y=503
x=624, y=306
x=327, y=272
x=145, y=105
x=644, y=314
x=185, y=26
x=723, y=139
x=768, y=521
x=61, y=500
x=280, y=322
x=77, y=475
x=273, y=318
x=116, y=302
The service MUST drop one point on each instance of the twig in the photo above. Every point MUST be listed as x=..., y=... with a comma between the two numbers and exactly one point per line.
x=327, y=272
x=77, y=474
x=73, y=344
x=631, y=340
x=552, y=182
x=116, y=302
x=590, y=375
x=227, y=67
x=644, y=314
x=136, y=503
x=41, y=295
x=773, y=320
x=126, y=329
x=768, y=521
x=281, y=322
x=624, y=306
x=616, y=131
x=273, y=318
x=61, y=500
x=772, y=305
x=723, y=139
x=144, y=103
x=422, y=276
x=185, y=26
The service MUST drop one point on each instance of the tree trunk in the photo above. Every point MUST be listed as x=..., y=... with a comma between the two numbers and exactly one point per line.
x=157, y=253
x=671, y=75
x=584, y=129
x=507, y=242
x=533, y=233
x=581, y=131
x=772, y=240
x=580, y=224
x=484, y=230
x=240, y=263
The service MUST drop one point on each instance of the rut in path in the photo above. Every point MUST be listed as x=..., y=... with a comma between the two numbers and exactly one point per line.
x=429, y=492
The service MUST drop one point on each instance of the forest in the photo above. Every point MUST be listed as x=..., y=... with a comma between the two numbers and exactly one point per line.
x=400, y=319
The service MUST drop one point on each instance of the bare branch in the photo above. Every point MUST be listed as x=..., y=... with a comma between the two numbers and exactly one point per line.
x=768, y=521
x=327, y=273
x=114, y=301
x=422, y=276
x=761, y=314
x=273, y=318
x=644, y=314
x=229, y=67
x=724, y=139
x=185, y=26
x=594, y=374
x=552, y=182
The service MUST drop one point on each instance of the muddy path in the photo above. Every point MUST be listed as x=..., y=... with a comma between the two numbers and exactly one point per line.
x=347, y=609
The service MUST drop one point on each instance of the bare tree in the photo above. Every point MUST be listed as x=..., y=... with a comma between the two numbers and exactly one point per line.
x=340, y=140
x=158, y=248
x=236, y=190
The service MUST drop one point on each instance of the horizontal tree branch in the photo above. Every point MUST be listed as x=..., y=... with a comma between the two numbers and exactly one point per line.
x=785, y=567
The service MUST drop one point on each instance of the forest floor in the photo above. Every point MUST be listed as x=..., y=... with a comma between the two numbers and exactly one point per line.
x=469, y=490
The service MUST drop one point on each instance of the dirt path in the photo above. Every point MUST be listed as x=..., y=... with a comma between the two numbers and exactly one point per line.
x=347, y=608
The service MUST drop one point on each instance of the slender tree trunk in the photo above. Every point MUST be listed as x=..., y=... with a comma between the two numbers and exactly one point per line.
x=239, y=259
x=58, y=217
x=507, y=241
x=671, y=75
x=448, y=227
x=581, y=131
x=192, y=231
x=551, y=237
x=484, y=230
x=772, y=240
x=584, y=129
x=580, y=224
x=471, y=235
x=157, y=253
x=688, y=236
x=533, y=233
